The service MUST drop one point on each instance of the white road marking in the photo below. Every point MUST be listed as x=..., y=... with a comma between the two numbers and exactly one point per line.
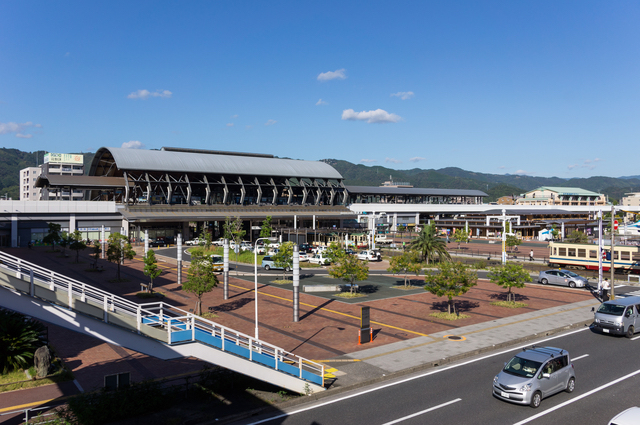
x=580, y=397
x=634, y=338
x=579, y=357
x=326, y=403
x=423, y=411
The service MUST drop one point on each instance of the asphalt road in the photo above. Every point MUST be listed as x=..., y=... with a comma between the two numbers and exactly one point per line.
x=607, y=377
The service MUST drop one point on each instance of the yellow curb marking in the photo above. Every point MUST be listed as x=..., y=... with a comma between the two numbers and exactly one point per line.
x=332, y=311
x=337, y=361
x=35, y=403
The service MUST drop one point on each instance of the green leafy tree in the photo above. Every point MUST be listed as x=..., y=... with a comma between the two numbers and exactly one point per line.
x=151, y=268
x=118, y=250
x=53, y=237
x=509, y=276
x=577, y=237
x=19, y=339
x=201, y=278
x=77, y=244
x=511, y=241
x=97, y=250
x=408, y=262
x=554, y=232
x=461, y=235
x=64, y=241
x=233, y=231
x=284, y=258
x=266, y=229
x=334, y=252
x=349, y=269
x=430, y=246
x=453, y=280
x=205, y=237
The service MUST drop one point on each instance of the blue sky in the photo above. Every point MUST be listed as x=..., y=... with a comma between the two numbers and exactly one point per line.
x=544, y=88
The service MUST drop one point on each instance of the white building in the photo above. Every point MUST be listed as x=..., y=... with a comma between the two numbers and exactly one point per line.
x=60, y=164
x=28, y=189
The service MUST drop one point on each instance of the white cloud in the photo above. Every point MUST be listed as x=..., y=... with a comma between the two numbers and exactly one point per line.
x=589, y=164
x=133, y=144
x=321, y=102
x=339, y=74
x=368, y=160
x=145, y=94
x=417, y=158
x=66, y=55
x=270, y=122
x=234, y=116
x=404, y=95
x=229, y=124
x=521, y=172
x=18, y=128
x=377, y=116
x=392, y=160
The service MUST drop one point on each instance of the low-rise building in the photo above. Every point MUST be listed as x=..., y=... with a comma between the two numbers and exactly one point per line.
x=571, y=196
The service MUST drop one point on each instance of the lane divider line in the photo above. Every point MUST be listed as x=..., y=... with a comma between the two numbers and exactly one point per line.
x=578, y=398
x=579, y=357
x=423, y=411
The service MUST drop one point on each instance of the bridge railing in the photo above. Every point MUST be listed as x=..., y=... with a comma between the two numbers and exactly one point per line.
x=158, y=320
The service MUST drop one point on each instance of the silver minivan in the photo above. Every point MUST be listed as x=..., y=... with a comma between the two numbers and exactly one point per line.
x=534, y=374
x=618, y=317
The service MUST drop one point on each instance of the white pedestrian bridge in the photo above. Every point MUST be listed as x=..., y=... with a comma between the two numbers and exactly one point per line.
x=157, y=329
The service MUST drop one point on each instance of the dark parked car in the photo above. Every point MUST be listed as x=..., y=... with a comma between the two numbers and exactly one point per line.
x=156, y=243
x=305, y=247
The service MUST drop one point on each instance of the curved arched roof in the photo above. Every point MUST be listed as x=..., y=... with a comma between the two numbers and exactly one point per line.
x=170, y=161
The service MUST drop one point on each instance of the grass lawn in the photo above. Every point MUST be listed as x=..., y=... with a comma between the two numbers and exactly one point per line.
x=10, y=381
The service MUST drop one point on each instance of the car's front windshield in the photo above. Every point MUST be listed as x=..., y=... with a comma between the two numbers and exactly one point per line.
x=613, y=309
x=216, y=259
x=522, y=367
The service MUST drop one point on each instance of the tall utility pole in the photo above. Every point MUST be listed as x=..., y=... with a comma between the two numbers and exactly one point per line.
x=504, y=218
x=613, y=244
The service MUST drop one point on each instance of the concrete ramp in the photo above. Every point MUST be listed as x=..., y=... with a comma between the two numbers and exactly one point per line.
x=156, y=329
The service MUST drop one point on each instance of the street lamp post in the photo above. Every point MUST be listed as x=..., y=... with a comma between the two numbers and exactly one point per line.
x=255, y=275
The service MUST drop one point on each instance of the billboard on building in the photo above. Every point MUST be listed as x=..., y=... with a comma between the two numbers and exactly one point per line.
x=63, y=158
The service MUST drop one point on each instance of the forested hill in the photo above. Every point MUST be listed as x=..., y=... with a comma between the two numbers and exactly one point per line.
x=495, y=185
x=14, y=160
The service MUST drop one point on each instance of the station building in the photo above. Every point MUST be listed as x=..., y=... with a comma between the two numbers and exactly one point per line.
x=176, y=190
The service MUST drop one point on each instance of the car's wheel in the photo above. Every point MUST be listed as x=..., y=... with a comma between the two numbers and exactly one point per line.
x=571, y=385
x=544, y=281
x=630, y=331
x=572, y=284
x=536, y=399
x=266, y=267
x=287, y=269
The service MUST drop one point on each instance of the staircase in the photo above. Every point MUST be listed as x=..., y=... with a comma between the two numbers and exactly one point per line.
x=157, y=329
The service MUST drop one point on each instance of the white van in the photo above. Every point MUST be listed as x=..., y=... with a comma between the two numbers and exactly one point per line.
x=619, y=317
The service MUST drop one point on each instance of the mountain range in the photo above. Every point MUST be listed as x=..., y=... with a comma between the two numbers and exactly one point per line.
x=494, y=185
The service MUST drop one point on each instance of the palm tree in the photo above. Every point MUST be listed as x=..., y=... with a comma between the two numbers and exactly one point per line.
x=429, y=245
x=19, y=339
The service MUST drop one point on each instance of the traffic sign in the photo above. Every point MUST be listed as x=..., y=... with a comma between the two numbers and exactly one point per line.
x=615, y=225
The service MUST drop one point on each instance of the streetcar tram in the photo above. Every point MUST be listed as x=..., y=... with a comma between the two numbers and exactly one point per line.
x=626, y=258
